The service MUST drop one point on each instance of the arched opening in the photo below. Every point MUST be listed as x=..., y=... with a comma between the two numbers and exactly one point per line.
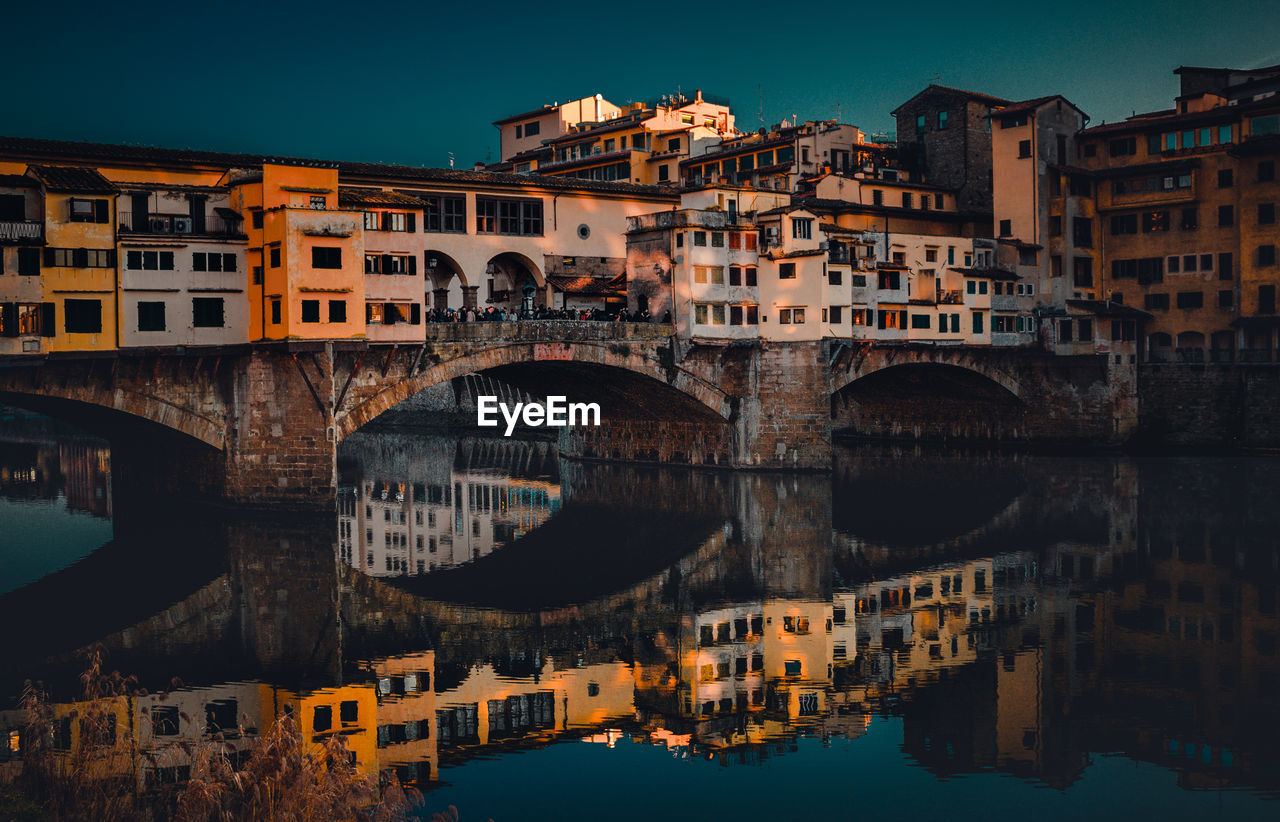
x=446, y=281
x=513, y=282
x=930, y=401
x=1190, y=346
x=1159, y=347
x=1223, y=346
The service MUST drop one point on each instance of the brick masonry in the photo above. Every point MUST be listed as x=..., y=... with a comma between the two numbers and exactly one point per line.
x=1209, y=406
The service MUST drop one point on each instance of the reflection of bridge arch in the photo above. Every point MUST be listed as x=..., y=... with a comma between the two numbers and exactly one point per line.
x=623, y=374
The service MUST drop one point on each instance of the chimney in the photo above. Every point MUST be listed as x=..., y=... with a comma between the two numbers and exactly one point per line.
x=697, y=96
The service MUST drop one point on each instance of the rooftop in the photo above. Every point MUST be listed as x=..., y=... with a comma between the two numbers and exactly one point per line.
x=73, y=179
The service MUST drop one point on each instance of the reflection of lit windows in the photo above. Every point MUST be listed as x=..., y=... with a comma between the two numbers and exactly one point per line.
x=792, y=667
x=322, y=718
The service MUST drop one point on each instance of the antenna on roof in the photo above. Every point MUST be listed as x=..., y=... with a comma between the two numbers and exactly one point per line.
x=450, y=159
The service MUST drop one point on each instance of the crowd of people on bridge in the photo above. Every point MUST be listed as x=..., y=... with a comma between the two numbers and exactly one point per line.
x=503, y=314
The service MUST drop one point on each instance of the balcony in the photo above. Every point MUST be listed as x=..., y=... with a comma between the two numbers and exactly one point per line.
x=180, y=225
x=21, y=231
x=954, y=297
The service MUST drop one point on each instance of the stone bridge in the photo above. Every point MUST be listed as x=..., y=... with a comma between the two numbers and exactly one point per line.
x=260, y=423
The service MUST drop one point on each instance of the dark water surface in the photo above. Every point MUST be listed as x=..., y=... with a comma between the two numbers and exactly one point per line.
x=921, y=634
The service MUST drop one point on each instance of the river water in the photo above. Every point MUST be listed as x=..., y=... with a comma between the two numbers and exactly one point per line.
x=922, y=633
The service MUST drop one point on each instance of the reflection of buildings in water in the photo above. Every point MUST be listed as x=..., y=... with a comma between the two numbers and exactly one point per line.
x=409, y=528
x=490, y=710
x=78, y=470
x=407, y=720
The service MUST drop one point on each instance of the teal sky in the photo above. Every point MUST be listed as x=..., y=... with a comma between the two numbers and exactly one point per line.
x=410, y=83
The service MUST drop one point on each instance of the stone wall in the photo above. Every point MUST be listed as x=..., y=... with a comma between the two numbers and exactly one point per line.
x=1209, y=406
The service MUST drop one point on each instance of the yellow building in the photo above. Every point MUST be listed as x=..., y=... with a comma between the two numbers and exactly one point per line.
x=349, y=710
x=78, y=266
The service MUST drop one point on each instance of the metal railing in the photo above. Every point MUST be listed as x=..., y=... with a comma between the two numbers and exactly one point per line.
x=21, y=230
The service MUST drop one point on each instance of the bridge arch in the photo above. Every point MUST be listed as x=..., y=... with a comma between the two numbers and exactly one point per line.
x=445, y=279
x=882, y=359
x=612, y=371
x=72, y=401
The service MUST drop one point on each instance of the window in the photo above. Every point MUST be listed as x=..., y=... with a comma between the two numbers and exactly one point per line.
x=1006, y=228
x=717, y=274
x=87, y=211
x=1055, y=225
x=1027, y=256
x=735, y=315
x=1150, y=270
x=791, y=316
x=337, y=311
x=802, y=228
x=326, y=257
x=207, y=312
x=942, y=120
x=787, y=271
x=1156, y=302
x=1125, y=224
x=835, y=276
x=532, y=129
x=311, y=311
x=753, y=315
x=82, y=316
x=1123, y=147
x=1266, y=213
x=1226, y=266
x=444, y=213
x=699, y=314
x=717, y=315
x=919, y=125
x=1266, y=255
x=1206, y=262
x=514, y=217
x=1266, y=171
x=1224, y=134
x=700, y=238
x=275, y=312
x=29, y=262
x=1082, y=232
x=664, y=173
x=921, y=321
x=679, y=239
x=890, y=280
x=906, y=199
x=1024, y=148
x=877, y=197
x=1190, y=299
x=1226, y=216
x=1083, y=272
x=275, y=257
x=1266, y=299
x=1155, y=221
x=209, y=261
x=1226, y=299
x=1225, y=178
x=1172, y=265
x=700, y=273
x=977, y=322
x=151, y=316
x=1264, y=125
x=717, y=239
x=837, y=313
x=735, y=275
x=749, y=241
x=1190, y=219
x=750, y=275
